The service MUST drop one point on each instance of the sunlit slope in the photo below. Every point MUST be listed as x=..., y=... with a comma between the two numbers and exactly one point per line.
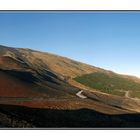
x=55, y=72
x=22, y=77
x=52, y=78
x=62, y=66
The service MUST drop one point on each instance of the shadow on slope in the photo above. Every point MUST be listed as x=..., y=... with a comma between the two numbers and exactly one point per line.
x=27, y=84
x=20, y=116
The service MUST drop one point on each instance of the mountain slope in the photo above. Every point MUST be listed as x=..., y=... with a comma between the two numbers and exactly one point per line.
x=43, y=80
x=111, y=83
x=18, y=73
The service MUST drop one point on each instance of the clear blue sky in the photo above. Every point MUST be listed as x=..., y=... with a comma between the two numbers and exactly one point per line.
x=110, y=40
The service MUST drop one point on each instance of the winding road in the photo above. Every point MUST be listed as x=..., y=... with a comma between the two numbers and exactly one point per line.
x=127, y=95
x=79, y=94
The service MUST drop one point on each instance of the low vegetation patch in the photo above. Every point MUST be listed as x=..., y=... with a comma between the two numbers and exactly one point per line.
x=110, y=83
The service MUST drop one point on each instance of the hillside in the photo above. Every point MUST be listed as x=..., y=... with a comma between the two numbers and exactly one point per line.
x=44, y=81
x=111, y=83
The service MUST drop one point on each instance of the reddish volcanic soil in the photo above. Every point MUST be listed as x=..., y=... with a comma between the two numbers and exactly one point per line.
x=13, y=87
x=39, y=80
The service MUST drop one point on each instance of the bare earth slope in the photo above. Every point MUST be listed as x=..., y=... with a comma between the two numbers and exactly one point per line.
x=46, y=81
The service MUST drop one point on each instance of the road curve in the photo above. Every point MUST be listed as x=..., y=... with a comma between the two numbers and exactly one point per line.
x=127, y=95
x=80, y=95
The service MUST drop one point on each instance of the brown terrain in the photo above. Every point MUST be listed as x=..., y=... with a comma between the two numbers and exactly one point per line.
x=37, y=89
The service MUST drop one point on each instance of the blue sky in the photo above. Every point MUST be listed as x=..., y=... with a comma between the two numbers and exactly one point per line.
x=110, y=40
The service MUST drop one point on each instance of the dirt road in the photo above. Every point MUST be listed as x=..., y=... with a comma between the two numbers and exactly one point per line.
x=79, y=94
